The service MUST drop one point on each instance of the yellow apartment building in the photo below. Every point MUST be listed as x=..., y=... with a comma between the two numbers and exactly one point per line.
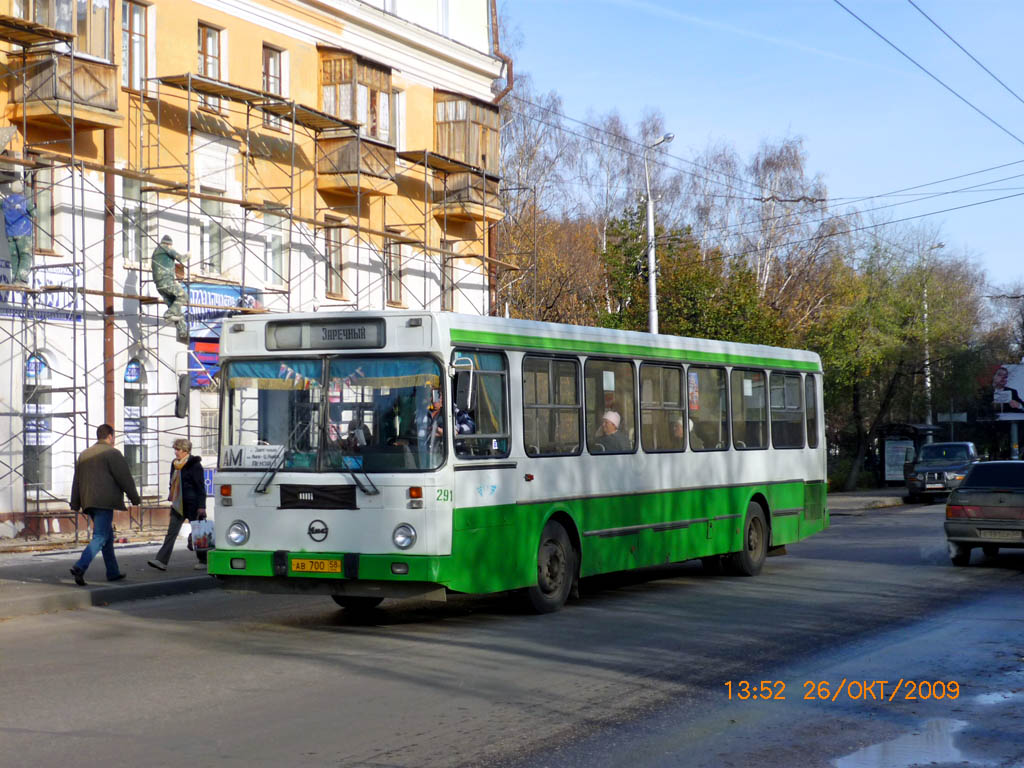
x=306, y=154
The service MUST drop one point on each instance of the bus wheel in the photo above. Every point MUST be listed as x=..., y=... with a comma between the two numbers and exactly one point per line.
x=556, y=569
x=352, y=603
x=748, y=561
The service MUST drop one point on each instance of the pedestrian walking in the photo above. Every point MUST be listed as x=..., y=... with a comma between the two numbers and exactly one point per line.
x=102, y=478
x=187, y=494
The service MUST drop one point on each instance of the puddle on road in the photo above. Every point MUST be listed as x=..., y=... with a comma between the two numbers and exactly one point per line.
x=933, y=743
x=999, y=697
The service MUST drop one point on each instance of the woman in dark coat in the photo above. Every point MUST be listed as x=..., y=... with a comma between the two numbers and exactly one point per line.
x=187, y=495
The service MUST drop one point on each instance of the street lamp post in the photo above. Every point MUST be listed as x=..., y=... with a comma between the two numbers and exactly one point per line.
x=927, y=354
x=652, y=275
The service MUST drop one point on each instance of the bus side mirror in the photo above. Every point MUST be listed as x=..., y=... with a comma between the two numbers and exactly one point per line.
x=181, y=398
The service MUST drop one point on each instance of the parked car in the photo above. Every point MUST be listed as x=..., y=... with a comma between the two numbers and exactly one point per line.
x=986, y=511
x=938, y=469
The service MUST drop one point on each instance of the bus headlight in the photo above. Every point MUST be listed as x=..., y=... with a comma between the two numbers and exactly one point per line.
x=404, y=536
x=238, y=533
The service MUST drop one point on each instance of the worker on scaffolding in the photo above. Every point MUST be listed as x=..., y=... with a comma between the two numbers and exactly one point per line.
x=165, y=260
x=19, y=214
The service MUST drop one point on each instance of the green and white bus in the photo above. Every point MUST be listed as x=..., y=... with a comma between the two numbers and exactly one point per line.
x=410, y=454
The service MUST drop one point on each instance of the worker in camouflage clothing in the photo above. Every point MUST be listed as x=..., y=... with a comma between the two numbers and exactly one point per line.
x=163, y=260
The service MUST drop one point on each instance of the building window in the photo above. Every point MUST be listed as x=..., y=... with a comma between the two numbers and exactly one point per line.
x=209, y=430
x=135, y=393
x=393, y=264
x=37, y=450
x=467, y=131
x=272, y=82
x=90, y=21
x=273, y=249
x=212, y=232
x=447, y=276
x=209, y=62
x=335, y=262
x=133, y=230
x=358, y=90
x=133, y=44
x=41, y=181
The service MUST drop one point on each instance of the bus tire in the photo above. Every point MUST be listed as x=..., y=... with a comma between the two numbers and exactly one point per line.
x=556, y=570
x=355, y=604
x=748, y=561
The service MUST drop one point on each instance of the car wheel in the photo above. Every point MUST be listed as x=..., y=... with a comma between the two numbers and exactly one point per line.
x=959, y=554
x=990, y=550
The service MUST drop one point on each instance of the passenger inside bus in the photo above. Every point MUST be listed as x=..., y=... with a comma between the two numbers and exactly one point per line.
x=610, y=438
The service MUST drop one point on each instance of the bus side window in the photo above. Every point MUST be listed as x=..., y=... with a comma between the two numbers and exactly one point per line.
x=707, y=406
x=551, y=406
x=483, y=430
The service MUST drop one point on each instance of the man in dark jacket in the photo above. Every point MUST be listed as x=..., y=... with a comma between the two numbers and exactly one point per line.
x=102, y=478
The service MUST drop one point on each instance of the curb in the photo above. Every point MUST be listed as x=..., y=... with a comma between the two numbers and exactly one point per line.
x=73, y=598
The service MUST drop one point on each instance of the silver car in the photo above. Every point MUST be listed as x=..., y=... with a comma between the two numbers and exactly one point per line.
x=986, y=511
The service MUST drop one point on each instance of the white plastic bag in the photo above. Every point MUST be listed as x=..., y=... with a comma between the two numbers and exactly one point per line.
x=202, y=535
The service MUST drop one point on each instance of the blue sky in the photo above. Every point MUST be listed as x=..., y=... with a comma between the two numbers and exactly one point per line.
x=746, y=71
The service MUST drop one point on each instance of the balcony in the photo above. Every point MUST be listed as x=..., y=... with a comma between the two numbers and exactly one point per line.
x=467, y=197
x=42, y=93
x=352, y=165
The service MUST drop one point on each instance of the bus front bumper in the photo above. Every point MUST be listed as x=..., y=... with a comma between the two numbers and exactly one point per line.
x=321, y=573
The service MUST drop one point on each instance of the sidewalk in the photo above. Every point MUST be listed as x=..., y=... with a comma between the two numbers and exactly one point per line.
x=856, y=502
x=35, y=575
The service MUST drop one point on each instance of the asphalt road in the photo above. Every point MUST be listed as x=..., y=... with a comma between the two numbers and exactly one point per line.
x=635, y=673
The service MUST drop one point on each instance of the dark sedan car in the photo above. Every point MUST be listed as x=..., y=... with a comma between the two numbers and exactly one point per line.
x=986, y=511
x=938, y=469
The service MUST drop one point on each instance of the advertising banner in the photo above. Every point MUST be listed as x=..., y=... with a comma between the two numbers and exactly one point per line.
x=53, y=304
x=216, y=303
x=1007, y=383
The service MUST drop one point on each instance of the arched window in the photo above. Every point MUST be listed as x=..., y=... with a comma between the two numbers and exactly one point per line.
x=38, y=443
x=135, y=393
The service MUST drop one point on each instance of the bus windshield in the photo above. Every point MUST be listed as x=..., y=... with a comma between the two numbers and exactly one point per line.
x=371, y=414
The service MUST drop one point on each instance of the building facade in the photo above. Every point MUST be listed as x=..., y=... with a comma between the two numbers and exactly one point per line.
x=321, y=156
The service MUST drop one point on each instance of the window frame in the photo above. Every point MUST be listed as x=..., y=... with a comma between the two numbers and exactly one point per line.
x=393, y=254
x=211, y=232
x=211, y=103
x=727, y=421
x=800, y=410
x=369, y=87
x=129, y=66
x=334, y=250
x=478, y=143
x=662, y=408
x=271, y=53
x=811, y=378
x=37, y=391
x=552, y=406
x=764, y=407
x=447, y=249
x=634, y=445
x=41, y=192
x=505, y=374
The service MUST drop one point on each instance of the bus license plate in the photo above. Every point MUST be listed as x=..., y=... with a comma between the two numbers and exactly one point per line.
x=315, y=565
x=991, y=533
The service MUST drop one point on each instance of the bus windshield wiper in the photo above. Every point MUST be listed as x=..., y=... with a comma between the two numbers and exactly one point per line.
x=372, y=490
x=268, y=477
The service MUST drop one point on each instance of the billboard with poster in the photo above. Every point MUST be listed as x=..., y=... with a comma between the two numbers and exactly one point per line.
x=1007, y=383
